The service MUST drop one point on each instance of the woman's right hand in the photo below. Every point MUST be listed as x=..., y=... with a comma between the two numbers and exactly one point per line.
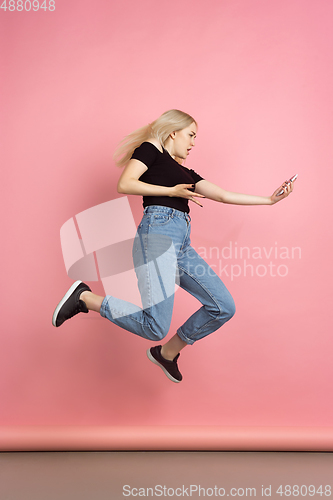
x=183, y=191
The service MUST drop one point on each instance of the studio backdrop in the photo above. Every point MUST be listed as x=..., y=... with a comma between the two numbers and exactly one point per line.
x=77, y=77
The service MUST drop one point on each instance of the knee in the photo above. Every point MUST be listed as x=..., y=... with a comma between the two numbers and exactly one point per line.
x=157, y=335
x=227, y=309
x=157, y=331
x=230, y=309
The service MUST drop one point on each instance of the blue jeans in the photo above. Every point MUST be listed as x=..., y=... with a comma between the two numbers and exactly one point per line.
x=163, y=257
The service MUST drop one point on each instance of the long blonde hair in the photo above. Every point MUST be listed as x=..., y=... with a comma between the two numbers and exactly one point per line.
x=160, y=129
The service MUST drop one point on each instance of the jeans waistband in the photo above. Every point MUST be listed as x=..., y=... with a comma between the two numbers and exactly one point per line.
x=167, y=210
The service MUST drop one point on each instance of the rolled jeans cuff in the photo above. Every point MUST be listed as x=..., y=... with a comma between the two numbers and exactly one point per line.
x=102, y=310
x=184, y=338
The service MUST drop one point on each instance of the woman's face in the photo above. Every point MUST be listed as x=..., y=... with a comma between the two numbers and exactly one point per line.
x=183, y=141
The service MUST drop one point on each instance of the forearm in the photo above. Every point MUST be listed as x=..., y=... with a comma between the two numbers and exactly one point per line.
x=216, y=193
x=244, y=199
x=136, y=187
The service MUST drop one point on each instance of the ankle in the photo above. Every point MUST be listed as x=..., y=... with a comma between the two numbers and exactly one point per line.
x=85, y=296
x=92, y=301
x=166, y=354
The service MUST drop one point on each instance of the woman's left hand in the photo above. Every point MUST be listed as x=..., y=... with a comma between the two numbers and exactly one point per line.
x=287, y=187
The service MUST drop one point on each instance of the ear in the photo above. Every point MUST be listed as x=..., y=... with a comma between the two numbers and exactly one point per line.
x=173, y=135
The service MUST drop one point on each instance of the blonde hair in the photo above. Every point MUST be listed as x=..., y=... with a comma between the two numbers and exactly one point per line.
x=171, y=121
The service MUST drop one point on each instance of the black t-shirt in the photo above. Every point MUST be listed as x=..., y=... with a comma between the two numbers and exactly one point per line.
x=163, y=170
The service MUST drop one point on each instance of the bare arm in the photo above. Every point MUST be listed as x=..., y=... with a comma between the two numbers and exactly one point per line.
x=129, y=181
x=216, y=193
x=129, y=184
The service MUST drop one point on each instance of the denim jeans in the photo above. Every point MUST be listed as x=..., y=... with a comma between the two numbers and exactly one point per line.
x=163, y=258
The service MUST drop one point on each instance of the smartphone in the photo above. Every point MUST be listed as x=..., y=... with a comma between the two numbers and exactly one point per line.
x=290, y=180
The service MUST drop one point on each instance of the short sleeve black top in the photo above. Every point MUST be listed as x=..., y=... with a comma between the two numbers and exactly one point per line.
x=163, y=170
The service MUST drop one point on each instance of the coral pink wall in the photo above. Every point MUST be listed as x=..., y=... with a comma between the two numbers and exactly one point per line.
x=258, y=77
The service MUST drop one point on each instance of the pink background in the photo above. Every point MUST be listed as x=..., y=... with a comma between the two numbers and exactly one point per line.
x=257, y=75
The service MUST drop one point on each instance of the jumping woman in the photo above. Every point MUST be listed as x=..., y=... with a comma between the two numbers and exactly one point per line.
x=162, y=251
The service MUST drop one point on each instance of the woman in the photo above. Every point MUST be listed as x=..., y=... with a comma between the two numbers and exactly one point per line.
x=162, y=252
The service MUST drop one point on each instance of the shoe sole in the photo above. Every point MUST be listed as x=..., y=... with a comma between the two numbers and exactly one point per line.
x=63, y=300
x=153, y=360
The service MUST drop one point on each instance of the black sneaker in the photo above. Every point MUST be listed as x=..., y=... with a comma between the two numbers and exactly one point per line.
x=70, y=304
x=170, y=368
